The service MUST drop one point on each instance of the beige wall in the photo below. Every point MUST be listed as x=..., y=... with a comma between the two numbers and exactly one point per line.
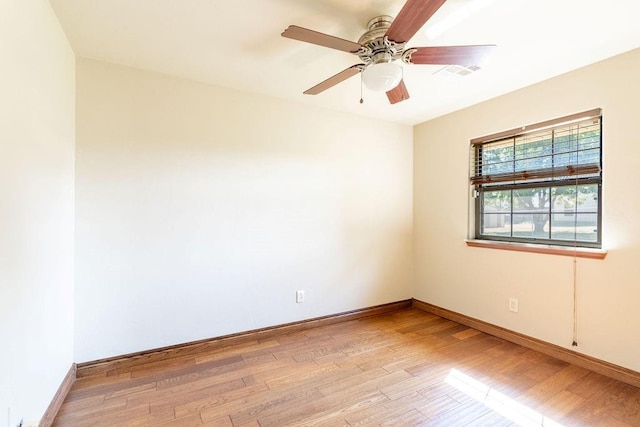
x=37, y=125
x=478, y=282
x=200, y=211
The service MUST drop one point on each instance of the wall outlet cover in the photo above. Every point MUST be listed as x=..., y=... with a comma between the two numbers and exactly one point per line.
x=513, y=305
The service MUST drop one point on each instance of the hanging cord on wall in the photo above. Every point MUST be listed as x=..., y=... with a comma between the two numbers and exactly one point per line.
x=575, y=302
x=575, y=256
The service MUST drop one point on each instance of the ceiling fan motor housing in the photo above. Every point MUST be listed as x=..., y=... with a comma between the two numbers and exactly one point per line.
x=376, y=48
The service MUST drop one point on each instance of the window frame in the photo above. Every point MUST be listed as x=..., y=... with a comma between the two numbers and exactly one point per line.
x=479, y=186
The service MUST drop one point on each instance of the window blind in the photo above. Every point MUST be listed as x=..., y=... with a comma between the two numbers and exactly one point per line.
x=568, y=147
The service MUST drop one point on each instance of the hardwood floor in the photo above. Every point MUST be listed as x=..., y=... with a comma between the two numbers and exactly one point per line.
x=407, y=368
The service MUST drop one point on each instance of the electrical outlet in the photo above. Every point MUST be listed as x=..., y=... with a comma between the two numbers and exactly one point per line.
x=299, y=297
x=513, y=304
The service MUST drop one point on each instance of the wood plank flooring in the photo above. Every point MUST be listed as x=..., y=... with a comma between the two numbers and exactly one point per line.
x=408, y=368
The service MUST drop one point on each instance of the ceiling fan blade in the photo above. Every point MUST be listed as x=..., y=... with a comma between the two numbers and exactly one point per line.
x=452, y=55
x=398, y=93
x=334, y=80
x=411, y=18
x=321, y=39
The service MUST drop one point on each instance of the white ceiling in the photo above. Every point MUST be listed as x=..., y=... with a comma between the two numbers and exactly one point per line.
x=237, y=44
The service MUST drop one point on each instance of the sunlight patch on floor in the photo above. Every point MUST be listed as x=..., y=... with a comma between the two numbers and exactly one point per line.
x=498, y=402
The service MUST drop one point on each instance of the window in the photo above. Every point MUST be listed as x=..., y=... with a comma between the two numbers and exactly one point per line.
x=540, y=183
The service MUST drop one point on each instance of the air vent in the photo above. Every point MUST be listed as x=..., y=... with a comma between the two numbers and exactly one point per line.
x=456, y=72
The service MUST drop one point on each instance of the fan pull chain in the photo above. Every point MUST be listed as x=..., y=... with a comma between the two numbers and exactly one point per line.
x=361, y=100
x=402, y=80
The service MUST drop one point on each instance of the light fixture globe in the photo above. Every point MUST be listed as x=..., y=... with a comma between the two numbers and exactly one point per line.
x=382, y=77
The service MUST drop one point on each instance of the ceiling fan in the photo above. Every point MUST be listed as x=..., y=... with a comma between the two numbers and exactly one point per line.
x=384, y=43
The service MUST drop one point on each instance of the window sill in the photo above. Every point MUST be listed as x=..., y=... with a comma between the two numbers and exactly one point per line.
x=591, y=253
